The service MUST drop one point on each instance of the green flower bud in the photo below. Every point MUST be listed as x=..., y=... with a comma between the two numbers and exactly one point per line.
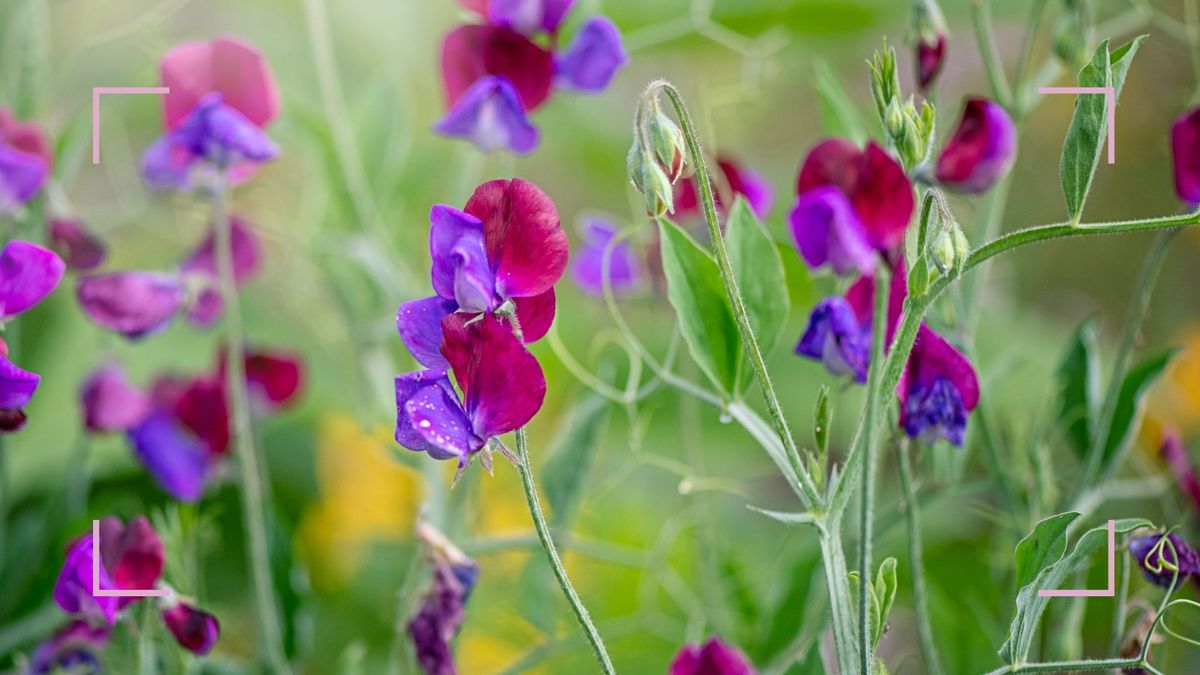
x=650, y=181
x=962, y=247
x=941, y=251
x=666, y=138
x=893, y=119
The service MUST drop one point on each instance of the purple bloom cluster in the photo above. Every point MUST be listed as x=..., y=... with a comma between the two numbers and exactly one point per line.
x=441, y=612
x=587, y=265
x=1157, y=559
x=131, y=558
x=498, y=72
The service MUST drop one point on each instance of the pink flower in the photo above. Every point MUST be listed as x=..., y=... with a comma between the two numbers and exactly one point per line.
x=227, y=66
x=981, y=150
x=714, y=657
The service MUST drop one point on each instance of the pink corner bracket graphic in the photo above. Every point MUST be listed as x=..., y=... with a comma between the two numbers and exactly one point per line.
x=1112, y=574
x=120, y=593
x=96, y=93
x=1110, y=103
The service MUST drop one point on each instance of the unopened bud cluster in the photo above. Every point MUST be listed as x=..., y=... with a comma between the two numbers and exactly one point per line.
x=657, y=159
x=909, y=128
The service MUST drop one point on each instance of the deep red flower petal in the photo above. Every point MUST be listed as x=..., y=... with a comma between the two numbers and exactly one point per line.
x=194, y=629
x=202, y=408
x=132, y=554
x=536, y=313
x=470, y=52
x=276, y=378
x=526, y=245
x=875, y=183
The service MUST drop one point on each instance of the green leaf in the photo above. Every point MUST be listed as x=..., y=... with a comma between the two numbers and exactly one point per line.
x=1079, y=384
x=1129, y=402
x=1031, y=606
x=1089, y=125
x=571, y=457
x=839, y=113
x=1043, y=547
x=695, y=290
x=758, y=270
x=800, y=518
x=884, y=592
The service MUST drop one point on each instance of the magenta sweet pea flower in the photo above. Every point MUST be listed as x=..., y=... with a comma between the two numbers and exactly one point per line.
x=80, y=249
x=490, y=115
x=25, y=161
x=28, y=273
x=227, y=66
x=827, y=230
x=214, y=137
x=472, y=52
x=981, y=150
x=74, y=648
x=1176, y=456
x=1156, y=558
x=111, y=403
x=17, y=387
x=502, y=389
x=24, y=136
x=1185, y=152
x=135, y=304
x=937, y=390
x=131, y=558
x=442, y=609
x=839, y=328
x=876, y=188
x=526, y=16
x=207, y=307
x=506, y=245
x=735, y=179
x=593, y=59
x=194, y=629
x=587, y=265
x=714, y=657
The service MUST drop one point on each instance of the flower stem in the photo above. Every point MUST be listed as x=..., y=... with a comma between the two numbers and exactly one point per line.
x=933, y=664
x=241, y=434
x=841, y=607
x=3, y=502
x=981, y=17
x=556, y=564
x=740, y=315
x=1067, y=666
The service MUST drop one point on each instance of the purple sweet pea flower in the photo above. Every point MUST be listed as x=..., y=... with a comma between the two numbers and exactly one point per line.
x=172, y=454
x=827, y=230
x=213, y=134
x=73, y=589
x=441, y=613
x=839, y=329
x=80, y=249
x=206, y=308
x=73, y=648
x=111, y=403
x=135, y=304
x=1185, y=153
x=587, y=265
x=593, y=58
x=28, y=273
x=528, y=16
x=491, y=116
x=1176, y=456
x=1156, y=558
x=506, y=245
x=21, y=176
x=937, y=390
x=981, y=150
x=502, y=388
x=715, y=657
x=17, y=387
x=194, y=629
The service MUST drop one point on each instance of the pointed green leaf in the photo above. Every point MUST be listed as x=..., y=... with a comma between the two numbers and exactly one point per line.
x=1089, y=124
x=758, y=270
x=801, y=518
x=884, y=591
x=695, y=290
x=1043, y=547
x=1130, y=400
x=1079, y=384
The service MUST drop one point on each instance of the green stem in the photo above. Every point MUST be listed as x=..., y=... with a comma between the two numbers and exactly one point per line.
x=560, y=572
x=740, y=315
x=981, y=17
x=933, y=664
x=252, y=480
x=866, y=513
x=840, y=604
x=1119, y=608
x=1067, y=666
x=3, y=502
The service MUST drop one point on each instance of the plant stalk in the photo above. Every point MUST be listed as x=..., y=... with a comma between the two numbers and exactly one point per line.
x=929, y=653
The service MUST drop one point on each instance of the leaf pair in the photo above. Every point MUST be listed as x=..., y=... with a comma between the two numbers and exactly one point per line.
x=883, y=594
x=697, y=293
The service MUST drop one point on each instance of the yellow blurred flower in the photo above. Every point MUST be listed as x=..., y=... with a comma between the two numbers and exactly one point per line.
x=365, y=496
x=1176, y=401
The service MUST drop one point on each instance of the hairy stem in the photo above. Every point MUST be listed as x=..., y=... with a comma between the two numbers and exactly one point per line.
x=3, y=501
x=560, y=572
x=840, y=605
x=981, y=17
x=929, y=653
x=242, y=436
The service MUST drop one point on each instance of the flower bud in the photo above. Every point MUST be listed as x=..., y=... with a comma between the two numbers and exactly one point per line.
x=885, y=83
x=941, y=251
x=651, y=182
x=929, y=29
x=893, y=119
x=670, y=151
x=962, y=247
x=1071, y=38
x=980, y=151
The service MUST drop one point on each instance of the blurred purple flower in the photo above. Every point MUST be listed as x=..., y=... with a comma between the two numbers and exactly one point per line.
x=715, y=657
x=526, y=16
x=72, y=648
x=587, y=265
x=213, y=134
x=490, y=115
x=1156, y=558
x=135, y=304
x=80, y=249
x=473, y=52
x=1185, y=152
x=1176, y=456
x=206, y=308
x=981, y=150
x=17, y=387
x=25, y=161
x=28, y=273
x=131, y=558
x=176, y=459
x=110, y=402
x=506, y=245
x=228, y=66
x=502, y=389
x=441, y=613
x=735, y=179
x=937, y=390
x=194, y=629
x=593, y=59
x=73, y=589
x=827, y=230
x=931, y=55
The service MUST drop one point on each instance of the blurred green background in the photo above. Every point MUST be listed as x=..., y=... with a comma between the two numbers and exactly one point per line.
x=662, y=546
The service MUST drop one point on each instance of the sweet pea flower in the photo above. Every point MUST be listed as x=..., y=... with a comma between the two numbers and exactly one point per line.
x=25, y=161
x=1185, y=152
x=472, y=52
x=207, y=307
x=194, y=629
x=714, y=657
x=868, y=209
x=227, y=66
x=131, y=558
x=502, y=389
x=734, y=179
x=80, y=249
x=442, y=609
x=593, y=59
x=937, y=390
x=527, y=16
x=110, y=402
x=930, y=29
x=1176, y=456
x=587, y=265
x=73, y=648
x=490, y=115
x=839, y=329
x=135, y=304
x=1156, y=558
x=981, y=150
x=506, y=245
x=28, y=273
x=172, y=455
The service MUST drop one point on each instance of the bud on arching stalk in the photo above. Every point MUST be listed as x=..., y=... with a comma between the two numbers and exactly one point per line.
x=658, y=157
x=949, y=249
x=670, y=150
x=929, y=29
x=651, y=182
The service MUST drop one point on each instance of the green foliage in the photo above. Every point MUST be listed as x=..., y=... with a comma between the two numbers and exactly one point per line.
x=1130, y=399
x=883, y=594
x=1079, y=385
x=758, y=269
x=1089, y=124
x=571, y=457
